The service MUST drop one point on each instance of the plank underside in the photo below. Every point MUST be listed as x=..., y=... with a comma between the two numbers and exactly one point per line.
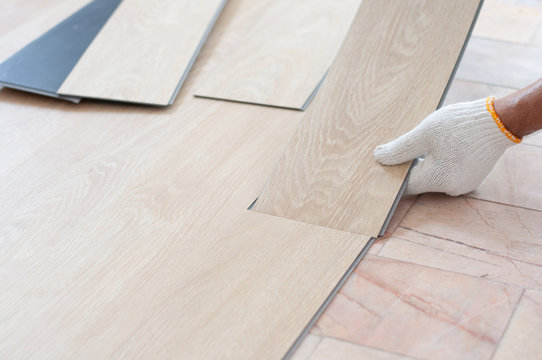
x=124, y=230
x=43, y=65
x=26, y=26
x=143, y=52
x=390, y=73
x=275, y=52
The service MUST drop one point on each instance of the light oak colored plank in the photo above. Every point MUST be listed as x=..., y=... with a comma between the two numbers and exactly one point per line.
x=127, y=234
x=275, y=52
x=162, y=296
x=390, y=73
x=143, y=51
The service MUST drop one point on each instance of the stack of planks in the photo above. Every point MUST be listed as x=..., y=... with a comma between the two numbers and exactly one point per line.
x=125, y=230
x=132, y=51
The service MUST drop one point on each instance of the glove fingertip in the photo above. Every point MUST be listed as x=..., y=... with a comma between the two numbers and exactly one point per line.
x=382, y=154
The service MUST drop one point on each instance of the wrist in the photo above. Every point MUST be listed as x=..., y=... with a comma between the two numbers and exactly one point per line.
x=503, y=113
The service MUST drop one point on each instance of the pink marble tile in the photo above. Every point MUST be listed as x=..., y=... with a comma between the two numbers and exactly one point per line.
x=508, y=231
x=500, y=63
x=516, y=179
x=330, y=349
x=464, y=90
x=418, y=311
x=401, y=210
x=523, y=337
x=377, y=245
x=408, y=245
x=507, y=22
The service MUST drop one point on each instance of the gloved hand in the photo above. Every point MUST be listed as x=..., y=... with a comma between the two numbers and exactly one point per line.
x=460, y=145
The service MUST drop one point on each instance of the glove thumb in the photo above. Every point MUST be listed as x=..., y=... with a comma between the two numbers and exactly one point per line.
x=406, y=147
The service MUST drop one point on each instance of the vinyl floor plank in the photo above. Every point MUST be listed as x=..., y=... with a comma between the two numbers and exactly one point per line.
x=144, y=53
x=43, y=65
x=127, y=234
x=119, y=244
x=328, y=175
x=276, y=52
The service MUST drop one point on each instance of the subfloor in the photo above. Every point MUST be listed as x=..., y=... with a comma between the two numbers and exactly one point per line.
x=457, y=277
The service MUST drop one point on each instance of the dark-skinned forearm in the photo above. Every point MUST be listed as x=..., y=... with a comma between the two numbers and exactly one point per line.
x=521, y=111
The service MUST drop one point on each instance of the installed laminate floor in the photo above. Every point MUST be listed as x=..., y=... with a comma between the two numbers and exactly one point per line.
x=442, y=255
x=125, y=230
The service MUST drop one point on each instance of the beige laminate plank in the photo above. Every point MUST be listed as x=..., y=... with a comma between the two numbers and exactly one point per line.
x=275, y=52
x=127, y=234
x=143, y=51
x=389, y=74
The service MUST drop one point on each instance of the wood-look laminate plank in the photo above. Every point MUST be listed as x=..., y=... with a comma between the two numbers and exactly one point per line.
x=144, y=52
x=275, y=52
x=389, y=74
x=127, y=234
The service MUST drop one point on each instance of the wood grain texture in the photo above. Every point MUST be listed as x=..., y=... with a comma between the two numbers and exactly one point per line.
x=143, y=51
x=124, y=233
x=389, y=74
x=275, y=52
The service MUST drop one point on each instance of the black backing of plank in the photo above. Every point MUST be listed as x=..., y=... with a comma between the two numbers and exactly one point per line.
x=42, y=66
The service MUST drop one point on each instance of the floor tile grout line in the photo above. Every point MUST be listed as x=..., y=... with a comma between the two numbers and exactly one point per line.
x=410, y=357
x=492, y=252
x=505, y=330
x=499, y=282
x=538, y=29
x=507, y=42
x=501, y=203
x=478, y=82
x=321, y=338
x=488, y=83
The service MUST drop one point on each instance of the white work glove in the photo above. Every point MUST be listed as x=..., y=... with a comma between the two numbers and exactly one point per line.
x=460, y=145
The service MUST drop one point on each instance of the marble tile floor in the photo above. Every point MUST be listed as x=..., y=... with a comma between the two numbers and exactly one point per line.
x=457, y=277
